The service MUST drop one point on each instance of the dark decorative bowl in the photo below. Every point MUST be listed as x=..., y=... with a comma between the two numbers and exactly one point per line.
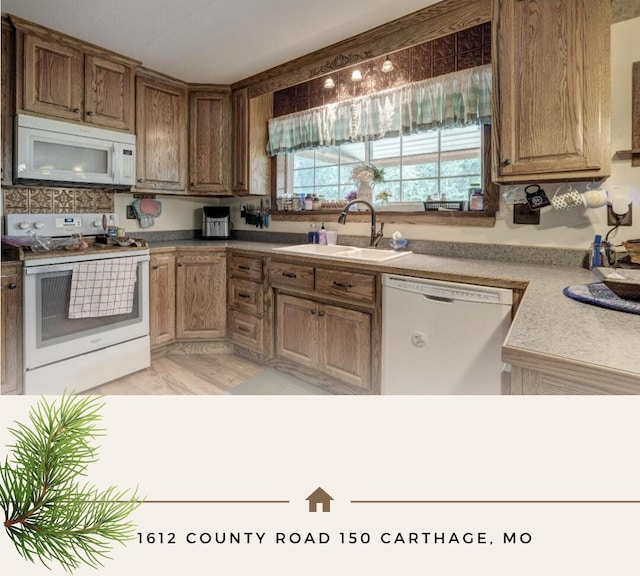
x=623, y=283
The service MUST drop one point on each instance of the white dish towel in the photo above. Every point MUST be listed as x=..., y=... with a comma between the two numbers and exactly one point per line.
x=102, y=287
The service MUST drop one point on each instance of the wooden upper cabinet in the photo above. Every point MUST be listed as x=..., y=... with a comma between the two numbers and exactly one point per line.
x=7, y=85
x=551, y=70
x=251, y=167
x=209, y=158
x=64, y=78
x=240, y=141
x=161, y=135
x=53, y=76
x=109, y=96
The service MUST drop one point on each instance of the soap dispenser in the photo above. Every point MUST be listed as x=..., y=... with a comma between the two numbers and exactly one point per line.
x=322, y=235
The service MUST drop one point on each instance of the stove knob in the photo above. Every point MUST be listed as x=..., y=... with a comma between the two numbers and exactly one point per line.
x=39, y=225
x=97, y=223
x=23, y=225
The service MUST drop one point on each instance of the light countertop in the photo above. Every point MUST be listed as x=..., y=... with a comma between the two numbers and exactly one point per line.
x=547, y=322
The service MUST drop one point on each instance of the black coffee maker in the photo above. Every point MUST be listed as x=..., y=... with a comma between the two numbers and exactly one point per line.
x=216, y=222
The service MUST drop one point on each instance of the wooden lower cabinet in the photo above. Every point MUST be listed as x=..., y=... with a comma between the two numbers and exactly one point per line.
x=201, y=296
x=11, y=382
x=331, y=339
x=162, y=298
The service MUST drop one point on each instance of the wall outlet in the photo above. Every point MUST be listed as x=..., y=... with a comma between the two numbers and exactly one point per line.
x=131, y=215
x=611, y=217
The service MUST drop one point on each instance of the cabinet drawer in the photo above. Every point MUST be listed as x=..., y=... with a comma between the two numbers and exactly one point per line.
x=349, y=284
x=245, y=295
x=284, y=274
x=245, y=267
x=246, y=330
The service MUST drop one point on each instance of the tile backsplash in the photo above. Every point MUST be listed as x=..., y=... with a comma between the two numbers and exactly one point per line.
x=57, y=200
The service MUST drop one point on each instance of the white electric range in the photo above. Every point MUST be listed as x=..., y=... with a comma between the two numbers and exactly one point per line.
x=63, y=354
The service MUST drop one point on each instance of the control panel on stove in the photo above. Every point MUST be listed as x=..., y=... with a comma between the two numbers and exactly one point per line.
x=58, y=224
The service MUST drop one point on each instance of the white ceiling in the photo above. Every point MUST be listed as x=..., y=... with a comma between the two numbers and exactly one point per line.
x=212, y=41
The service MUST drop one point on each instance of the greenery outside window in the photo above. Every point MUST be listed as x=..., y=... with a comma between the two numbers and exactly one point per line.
x=438, y=165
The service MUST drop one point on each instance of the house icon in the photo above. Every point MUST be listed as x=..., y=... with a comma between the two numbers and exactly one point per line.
x=319, y=496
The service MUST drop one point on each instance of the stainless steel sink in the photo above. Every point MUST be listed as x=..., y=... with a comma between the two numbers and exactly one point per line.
x=340, y=252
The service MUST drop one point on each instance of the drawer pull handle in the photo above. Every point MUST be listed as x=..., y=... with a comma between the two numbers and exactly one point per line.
x=342, y=285
x=290, y=274
x=243, y=329
x=12, y=286
x=243, y=267
x=244, y=295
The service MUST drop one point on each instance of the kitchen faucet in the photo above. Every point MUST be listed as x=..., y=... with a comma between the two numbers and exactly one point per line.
x=376, y=236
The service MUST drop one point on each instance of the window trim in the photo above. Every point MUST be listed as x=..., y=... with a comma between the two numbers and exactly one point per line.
x=485, y=218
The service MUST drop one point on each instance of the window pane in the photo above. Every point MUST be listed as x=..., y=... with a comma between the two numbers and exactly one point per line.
x=303, y=159
x=327, y=175
x=385, y=148
x=303, y=177
x=353, y=152
x=456, y=188
x=438, y=164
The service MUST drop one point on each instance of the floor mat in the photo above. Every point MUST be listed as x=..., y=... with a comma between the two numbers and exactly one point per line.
x=274, y=382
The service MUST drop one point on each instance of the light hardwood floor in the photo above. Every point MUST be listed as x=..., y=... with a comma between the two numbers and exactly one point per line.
x=182, y=374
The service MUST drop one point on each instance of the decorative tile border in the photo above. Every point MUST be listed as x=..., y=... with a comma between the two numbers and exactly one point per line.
x=57, y=200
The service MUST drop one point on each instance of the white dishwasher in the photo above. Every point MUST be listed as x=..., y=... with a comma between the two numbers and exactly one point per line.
x=442, y=337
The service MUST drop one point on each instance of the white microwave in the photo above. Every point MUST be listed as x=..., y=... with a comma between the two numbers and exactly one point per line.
x=72, y=154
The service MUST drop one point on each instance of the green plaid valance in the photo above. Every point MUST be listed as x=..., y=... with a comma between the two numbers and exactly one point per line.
x=458, y=99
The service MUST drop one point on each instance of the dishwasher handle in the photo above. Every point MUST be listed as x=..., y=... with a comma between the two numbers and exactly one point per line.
x=440, y=299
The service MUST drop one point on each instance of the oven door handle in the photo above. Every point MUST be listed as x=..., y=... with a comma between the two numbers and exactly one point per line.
x=51, y=268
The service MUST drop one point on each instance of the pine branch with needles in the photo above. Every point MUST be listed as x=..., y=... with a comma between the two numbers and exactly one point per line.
x=48, y=513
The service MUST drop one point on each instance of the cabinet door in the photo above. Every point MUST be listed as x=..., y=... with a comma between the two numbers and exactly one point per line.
x=7, y=84
x=240, y=141
x=53, y=78
x=161, y=130
x=201, y=297
x=108, y=93
x=162, y=299
x=551, y=88
x=297, y=330
x=209, y=159
x=345, y=345
x=11, y=381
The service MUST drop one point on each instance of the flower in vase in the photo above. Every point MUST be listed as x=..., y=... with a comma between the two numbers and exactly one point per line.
x=351, y=195
x=367, y=173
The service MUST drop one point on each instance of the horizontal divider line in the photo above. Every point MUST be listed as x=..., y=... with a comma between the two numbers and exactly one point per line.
x=495, y=501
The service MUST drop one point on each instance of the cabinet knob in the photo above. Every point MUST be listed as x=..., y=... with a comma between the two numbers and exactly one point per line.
x=313, y=312
x=506, y=162
x=154, y=267
x=140, y=179
x=89, y=113
x=321, y=313
x=12, y=286
x=76, y=110
x=179, y=263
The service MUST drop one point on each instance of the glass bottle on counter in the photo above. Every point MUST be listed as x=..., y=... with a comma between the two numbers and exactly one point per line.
x=312, y=235
x=476, y=198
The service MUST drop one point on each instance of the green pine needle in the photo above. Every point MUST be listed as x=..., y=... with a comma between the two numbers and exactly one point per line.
x=48, y=514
